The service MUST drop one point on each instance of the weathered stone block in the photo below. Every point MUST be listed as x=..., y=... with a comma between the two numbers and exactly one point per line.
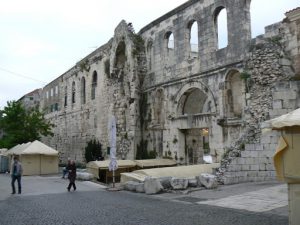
x=262, y=166
x=140, y=188
x=152, y=186
x=254, y=167
x=165, y=182
x=130, y=185
x=207, y=180
x=277, y=104
x=179, y=183
x=192, y=182
x=245, y=167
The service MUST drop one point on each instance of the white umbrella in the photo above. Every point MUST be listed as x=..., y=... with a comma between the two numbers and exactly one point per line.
x=113, y=165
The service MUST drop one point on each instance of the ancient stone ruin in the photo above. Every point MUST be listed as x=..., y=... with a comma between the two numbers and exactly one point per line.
x=178, y=99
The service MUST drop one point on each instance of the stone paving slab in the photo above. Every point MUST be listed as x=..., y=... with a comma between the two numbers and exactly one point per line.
x=256, y=201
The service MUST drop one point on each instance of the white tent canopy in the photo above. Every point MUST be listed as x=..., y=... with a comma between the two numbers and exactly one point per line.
x=32, y=148
x=287, y=120
x=36, y=158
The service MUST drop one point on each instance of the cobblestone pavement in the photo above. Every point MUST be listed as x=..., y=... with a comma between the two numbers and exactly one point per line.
x=45, y=201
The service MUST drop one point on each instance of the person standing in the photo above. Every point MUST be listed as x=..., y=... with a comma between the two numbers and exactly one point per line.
x=16, y=173
x=72, y=175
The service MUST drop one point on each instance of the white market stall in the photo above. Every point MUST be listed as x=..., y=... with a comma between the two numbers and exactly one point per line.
x=100, y=169
x=287, y=159
x=36, y=158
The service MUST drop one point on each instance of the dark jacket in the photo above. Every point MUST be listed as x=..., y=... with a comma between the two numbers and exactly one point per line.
x=18, y=169
x=72, y=172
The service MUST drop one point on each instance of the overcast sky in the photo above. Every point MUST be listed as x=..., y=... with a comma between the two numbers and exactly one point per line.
x=41, y=39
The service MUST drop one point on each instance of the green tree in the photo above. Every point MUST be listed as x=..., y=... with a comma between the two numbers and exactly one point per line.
x=93, y=151
x=21, y=126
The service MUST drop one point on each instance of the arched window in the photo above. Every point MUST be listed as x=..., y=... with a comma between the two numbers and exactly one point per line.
x=192, y=96
x=170, y=38
x=193, y=31
x=150, y=54
x=73, y=92
x=221, y=27
x=94, y=85
x=66, y=96
x=234, y=94
x=83, y=98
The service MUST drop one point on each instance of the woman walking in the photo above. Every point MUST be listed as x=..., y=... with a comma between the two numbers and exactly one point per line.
x=72, y=175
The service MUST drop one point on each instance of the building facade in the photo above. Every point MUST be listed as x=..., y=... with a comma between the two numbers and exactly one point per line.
x=176, y=97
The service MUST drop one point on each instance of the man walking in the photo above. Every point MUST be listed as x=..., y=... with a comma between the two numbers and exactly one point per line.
x=16, y=173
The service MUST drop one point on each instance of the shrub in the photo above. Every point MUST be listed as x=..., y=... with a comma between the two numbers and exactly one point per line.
x=93, y=151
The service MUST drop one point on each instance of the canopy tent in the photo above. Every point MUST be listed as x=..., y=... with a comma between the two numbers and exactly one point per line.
x=3, y=150
x=286, y=159
x=287, y=155
x=152, y=163
x=100, y=169
x=286, y=120
x=36, y=158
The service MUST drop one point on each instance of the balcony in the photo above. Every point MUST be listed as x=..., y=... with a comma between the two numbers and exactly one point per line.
x=193, y=121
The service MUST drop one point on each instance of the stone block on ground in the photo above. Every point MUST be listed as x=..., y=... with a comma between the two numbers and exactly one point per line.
x=165, y=182
x=140, y=188
x=207, y=180
x=84, y=176
x=179, y=183
x=152, y=186
x=130, y=185
x=192, y=182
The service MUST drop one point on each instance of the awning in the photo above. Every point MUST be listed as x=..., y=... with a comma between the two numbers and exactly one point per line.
x=287, y=120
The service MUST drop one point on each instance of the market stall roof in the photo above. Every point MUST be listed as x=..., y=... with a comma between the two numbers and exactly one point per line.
x=104, y=164
x=155, y=163
x=287, y=120
x=32, y=148
x=17, y=150
x=3, y=150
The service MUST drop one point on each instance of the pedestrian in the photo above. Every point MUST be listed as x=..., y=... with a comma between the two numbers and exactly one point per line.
x=16, y=173
x=65, y=170
x=72, y=175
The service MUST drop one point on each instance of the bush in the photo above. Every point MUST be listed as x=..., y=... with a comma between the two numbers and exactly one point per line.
x=93, y=151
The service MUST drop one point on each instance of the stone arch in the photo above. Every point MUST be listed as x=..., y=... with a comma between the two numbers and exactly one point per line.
x=193, y=36
x=169, y=42
x=150, y=53
x=120, y=58
x=221, y=26
x=208, y=106
x=94, y=84
x=234, y=94
x=192, y=102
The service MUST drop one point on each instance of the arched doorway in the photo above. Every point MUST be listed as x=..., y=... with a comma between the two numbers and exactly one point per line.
x=194, y=111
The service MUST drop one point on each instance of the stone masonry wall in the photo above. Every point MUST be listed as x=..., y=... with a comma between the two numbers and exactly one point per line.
x=171, y=96
x=271, y=94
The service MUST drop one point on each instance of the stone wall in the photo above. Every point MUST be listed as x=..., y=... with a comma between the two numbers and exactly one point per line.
x=105, y=82
x=182, y=103
x=272, y=92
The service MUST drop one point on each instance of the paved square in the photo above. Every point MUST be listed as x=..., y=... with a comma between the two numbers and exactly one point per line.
x=256, y=201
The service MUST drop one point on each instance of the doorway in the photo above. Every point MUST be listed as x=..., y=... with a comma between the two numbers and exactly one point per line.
x=196, y=145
